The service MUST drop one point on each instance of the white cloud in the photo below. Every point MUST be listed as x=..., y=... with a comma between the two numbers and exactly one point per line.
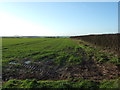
x=11, y=25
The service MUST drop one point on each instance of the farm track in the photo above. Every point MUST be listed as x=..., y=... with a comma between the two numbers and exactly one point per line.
x=45, y=68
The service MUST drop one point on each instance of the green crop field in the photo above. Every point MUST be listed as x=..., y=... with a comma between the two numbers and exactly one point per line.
x=25, y=47
x=57, y=62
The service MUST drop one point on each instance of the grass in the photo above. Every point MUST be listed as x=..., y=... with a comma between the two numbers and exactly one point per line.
x=57, y=48
x=83, y=84
x=49, y=84
x=27, y=47
x=38, y=49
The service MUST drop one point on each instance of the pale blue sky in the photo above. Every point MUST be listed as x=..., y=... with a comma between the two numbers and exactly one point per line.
x=58, y=18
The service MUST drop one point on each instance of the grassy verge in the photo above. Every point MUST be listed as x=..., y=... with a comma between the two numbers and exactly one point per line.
x=60, y=84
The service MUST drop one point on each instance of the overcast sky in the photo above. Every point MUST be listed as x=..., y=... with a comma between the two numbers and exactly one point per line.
x=58, y=18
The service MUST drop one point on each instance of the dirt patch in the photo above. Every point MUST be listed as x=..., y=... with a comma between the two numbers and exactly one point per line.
x=48, y=70
x=92, y=71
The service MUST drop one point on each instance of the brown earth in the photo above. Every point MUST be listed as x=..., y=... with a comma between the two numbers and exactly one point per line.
x=48, y=70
